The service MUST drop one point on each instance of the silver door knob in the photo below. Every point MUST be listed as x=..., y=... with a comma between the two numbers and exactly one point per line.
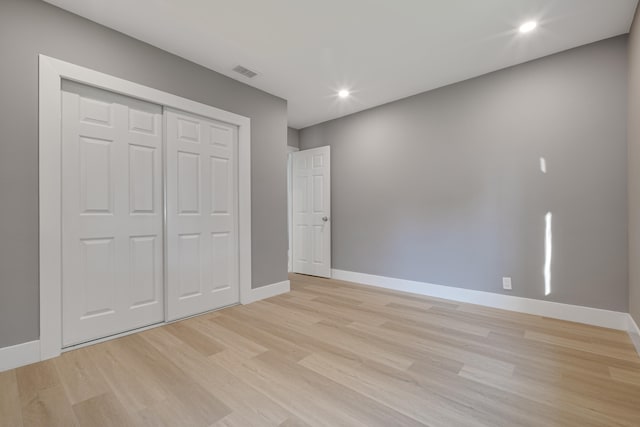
x=325, y=219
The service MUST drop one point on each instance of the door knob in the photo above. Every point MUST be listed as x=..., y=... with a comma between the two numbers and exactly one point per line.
x=325, y=219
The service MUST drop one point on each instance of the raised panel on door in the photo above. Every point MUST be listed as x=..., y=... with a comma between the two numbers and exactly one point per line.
x=92, y=110
x=98, y=277
x=189, y=266
x=202, y=226
x=188, y=130
x=318, y=194
x=300, y=193
x=221, y=195
x=301, y=235
x=188, y=177
x=222, y=261
x=143, y=122
x=142, y=179
x=112, y=217
x=317, y=238
x=311, y=251
x=96, y=179
x=145, y=270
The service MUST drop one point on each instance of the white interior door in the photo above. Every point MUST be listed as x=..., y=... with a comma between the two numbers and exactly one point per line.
x=112, y=217
x=312, y=212
x=202, y=226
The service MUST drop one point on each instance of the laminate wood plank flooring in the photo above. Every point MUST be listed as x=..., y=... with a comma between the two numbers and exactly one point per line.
x=333, y=353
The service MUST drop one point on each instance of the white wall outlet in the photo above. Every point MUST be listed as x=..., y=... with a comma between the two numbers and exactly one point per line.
x=506, y=283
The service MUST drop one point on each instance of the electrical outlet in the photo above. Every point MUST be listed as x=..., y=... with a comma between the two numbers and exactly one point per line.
x=506, y=283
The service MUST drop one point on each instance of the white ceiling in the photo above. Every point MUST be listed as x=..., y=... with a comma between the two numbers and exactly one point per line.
x=382, y=50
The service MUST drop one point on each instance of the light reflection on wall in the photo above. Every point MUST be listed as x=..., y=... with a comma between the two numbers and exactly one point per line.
x=548, y=246
x=543, y=165
x=548, y=239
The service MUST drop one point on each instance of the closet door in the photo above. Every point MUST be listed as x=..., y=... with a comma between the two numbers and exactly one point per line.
x=202, y=226
x=112, y=218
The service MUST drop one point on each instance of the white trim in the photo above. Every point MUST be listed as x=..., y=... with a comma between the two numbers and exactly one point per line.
x=50, y=215
x=52, y=71
x=268, y=291
x=634, y=333
x=633, y=326
x=573, y=313
x=290, y=150
x=19, y=355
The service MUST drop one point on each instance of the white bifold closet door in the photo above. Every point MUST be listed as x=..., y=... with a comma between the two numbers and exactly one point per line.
x=112, y=210
x=202, y=229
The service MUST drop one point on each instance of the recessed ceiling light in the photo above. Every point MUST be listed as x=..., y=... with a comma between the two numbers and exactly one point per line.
x=528, y=26
x=343, y=93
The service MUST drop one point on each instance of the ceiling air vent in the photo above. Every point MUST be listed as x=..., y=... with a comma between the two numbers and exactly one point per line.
x=245, y=71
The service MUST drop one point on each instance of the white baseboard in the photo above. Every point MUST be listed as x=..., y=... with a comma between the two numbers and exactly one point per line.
x=633, y=326
x=29, y=352
x=573, y=313
x=267, y=291
x=19, y=355
x=634, y=333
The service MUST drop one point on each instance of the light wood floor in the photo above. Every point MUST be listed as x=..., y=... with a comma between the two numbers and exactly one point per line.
x=336, y=354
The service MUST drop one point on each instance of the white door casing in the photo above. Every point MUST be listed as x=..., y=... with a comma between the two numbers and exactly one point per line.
x=202, y=249
x=290, y=205
x=312, y=212
x=112, y=218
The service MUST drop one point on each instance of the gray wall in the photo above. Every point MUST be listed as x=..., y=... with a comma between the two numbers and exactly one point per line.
x=30, y=27
x=445, y=187
x=293, y=137
x=634, y=169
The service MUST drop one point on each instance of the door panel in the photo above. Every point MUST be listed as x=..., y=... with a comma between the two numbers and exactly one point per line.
x=144, y=269
x=141, y=179
x=311, y=250
x=202, y=229
x=188, y=177
x=96, y=182
x=111, y=212
x=98, y=277
x=221, y=197
x=189, y=267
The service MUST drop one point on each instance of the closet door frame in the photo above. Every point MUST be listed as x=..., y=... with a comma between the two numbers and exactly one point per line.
x=51, y=73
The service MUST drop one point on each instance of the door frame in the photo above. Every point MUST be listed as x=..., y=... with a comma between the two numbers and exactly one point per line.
x=51, y=73
x=290, y=150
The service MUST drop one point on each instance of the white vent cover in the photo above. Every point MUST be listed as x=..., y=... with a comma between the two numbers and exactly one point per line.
x=245, y=71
